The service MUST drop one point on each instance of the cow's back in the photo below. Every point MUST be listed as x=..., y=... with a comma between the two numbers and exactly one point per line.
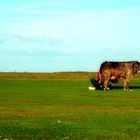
x=117, y=68
x=109, y=66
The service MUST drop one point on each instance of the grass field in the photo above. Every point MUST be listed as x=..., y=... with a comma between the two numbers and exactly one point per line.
x=60, y=107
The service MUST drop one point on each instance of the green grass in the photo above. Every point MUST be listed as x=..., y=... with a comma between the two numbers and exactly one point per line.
x=66, y=109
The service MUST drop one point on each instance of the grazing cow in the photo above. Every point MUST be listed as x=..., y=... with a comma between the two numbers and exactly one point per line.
x=125, y=70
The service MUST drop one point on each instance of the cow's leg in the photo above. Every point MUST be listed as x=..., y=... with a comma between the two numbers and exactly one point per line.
x=126, y=84
x=127, y=80
x=106, y=80
x=106, y=84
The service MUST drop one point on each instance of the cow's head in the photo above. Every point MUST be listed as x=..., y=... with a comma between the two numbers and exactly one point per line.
x=136, y=66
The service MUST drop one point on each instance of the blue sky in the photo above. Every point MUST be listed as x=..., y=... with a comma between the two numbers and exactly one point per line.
x=67, y=35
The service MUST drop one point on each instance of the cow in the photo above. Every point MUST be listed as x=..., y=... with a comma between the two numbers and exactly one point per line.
x=125, y=70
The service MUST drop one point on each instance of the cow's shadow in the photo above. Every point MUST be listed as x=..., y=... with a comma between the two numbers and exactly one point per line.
x=121, y=87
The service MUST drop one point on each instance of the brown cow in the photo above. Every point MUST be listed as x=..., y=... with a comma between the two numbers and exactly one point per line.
x=125, y=70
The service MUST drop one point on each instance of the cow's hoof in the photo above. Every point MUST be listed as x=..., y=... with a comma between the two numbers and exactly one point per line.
x=128, y=89
x=106, y=89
